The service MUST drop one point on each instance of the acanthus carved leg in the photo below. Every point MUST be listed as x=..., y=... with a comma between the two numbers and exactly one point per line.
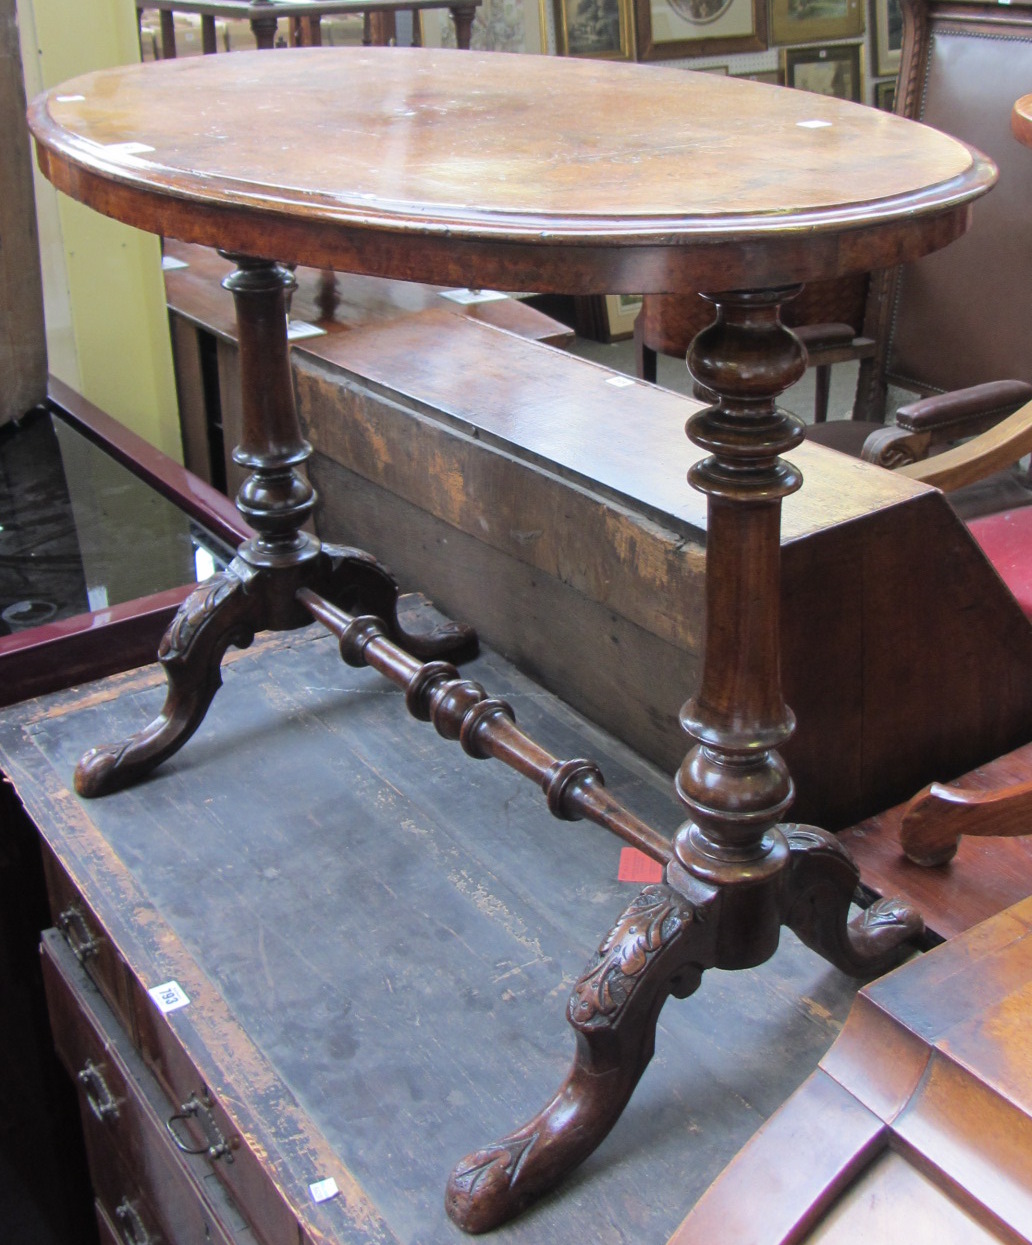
x=218, y=613
x=356, y=581
x=658, y=947
x=818, y=891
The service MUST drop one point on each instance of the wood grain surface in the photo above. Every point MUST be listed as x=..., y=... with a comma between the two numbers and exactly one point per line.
x=431, y=163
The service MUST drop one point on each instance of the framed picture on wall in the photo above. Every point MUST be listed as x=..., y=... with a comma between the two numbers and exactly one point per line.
x=888, y=36
x=834, y=71
x=885, y=95
x=807, y=21
x=773, y=77
x=598, y=28
x=678, y=28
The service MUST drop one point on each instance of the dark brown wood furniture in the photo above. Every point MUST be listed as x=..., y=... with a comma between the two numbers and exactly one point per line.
x=304, y=19
x=918, y=1122
x=356, y=997
x=607, y=201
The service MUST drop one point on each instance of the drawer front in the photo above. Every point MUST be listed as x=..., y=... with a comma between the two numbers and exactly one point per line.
x=149, y=1190
x=86, y=939
x=202, y=1124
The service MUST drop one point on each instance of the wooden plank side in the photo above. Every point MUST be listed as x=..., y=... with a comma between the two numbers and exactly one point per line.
x=394, y=927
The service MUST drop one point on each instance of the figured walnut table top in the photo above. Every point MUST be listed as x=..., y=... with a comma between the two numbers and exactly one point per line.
x=551, y=172
x=1021, y=120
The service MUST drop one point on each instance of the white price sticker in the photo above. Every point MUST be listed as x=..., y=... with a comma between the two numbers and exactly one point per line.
x=169, y=997
x=323, y=1190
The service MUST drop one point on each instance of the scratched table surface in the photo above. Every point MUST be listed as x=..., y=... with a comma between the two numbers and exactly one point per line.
x=391, y=930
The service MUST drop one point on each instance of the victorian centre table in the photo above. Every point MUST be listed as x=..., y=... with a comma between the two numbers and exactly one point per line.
x=553, y=175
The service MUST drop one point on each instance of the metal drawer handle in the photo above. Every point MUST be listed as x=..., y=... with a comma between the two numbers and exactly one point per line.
x=77, y=934
x=216, y=1146
x=102, y=1101
x=130, y=1226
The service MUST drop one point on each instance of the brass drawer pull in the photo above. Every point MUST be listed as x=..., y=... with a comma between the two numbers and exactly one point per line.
x=101, y=1100
x=130, y=1226
x=77, y=934
x=216, y=1146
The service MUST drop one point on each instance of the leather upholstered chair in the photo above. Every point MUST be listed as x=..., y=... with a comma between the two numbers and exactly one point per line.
x=955, y=328
x=959, y=320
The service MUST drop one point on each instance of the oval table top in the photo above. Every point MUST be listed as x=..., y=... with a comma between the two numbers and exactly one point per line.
x=1021, y=120
x=521, y=172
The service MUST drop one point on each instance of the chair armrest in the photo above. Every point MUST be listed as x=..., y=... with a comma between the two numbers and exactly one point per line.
x=964, y=412
x=1001, y=446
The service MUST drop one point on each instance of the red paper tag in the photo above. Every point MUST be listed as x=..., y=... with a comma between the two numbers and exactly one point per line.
x=635, y=866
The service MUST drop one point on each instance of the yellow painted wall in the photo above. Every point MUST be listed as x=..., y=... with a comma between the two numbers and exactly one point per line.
x=107, y=327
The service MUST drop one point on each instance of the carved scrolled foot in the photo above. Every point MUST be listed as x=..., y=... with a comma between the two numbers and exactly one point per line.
x=938, y=817
x=360, y=584
x=655, y=949
x=215, y=615
x=819, y=889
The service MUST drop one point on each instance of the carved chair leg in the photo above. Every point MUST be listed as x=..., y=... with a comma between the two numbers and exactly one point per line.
x=218, y=613
x=819, y=888
x=937, y=817
x=657, y=948
x=356, y=581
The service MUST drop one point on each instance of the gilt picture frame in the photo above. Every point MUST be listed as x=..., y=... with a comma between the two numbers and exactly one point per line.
x=810, y=21
x=887, y=20
x=600, y=29
x=684, y=28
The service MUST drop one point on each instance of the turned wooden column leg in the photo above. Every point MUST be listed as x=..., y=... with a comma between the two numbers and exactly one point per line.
x=462, y=16
x=659, y=946
x=258, y=589
x=733, y=781
x=263, y=25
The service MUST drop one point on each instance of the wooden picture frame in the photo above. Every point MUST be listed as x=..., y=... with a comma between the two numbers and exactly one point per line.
x=681, y=28
x=887, y=19
x=837, y=70
x=811, y=21
x=599, y=29
x=885, y=95
x=772, y=77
